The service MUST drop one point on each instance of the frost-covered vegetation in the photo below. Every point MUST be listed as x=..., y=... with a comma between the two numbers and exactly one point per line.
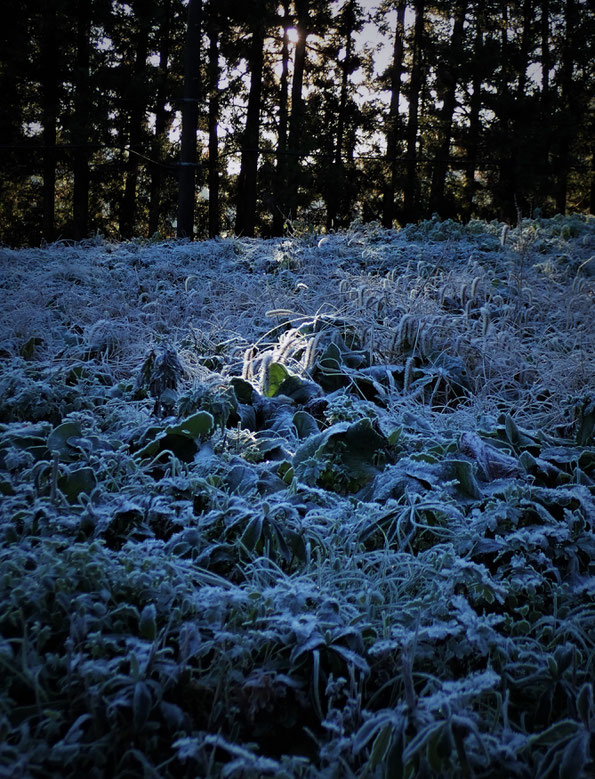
x=306, y=507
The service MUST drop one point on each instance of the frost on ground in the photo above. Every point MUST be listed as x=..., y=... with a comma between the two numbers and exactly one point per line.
x=312, y=506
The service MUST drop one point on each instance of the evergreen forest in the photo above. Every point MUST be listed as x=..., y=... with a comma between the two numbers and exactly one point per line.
x=164, y=118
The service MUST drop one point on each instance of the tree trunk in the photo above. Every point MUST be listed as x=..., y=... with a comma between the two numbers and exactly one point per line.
x=388, y=198
x=136, y=97
x=528, y=11
x=545, y=99
x=188, y=156
x=449, y=78
x=411, y=183
x=82, y=109
x=246, y=196
x=546, y=61
x=592, y=188
x=49, y=87
x=213, y=75
x=161, y=121
x=281, y=167
x=337, y=173
x=297, y=110
x=506, y=191
x=474, y=131
x=565, y=130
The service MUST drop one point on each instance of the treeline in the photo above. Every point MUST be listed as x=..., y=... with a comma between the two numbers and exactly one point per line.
x=163, y=116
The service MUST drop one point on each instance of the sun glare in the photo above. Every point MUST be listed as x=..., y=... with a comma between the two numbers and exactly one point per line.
x=293, y=35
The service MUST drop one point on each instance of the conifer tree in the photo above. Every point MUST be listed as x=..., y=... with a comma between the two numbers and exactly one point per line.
x=190, y=103
x=394, y=130
x=411, y=193
x=247, y=179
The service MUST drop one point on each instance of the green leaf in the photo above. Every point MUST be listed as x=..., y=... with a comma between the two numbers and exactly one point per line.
x=141, y=704
x=240, y=478
x=198, y=425
x=147, y=622
x=6, y=487
x=347, y=453
x=316, y=683
x=271, y=448
x=395, y=435
x=329, y=371
x=280, y=381
x=351, y=657
x=276, y=535
x=299, y=389
x=251, y=535
x=462, y=470
x=305, y=424
x=244, y=391
x=586, y=421
x=77, y=481
x=182, y=438
x=584, y=702
x=59, y=437
x=331, y=358
x=27, y=350
x=559, y=731
x=575, y=757
x=369, y=729
x=276, y=375
x=420, y=741
x=439, y=746
x=297, y=545
x=381, y=745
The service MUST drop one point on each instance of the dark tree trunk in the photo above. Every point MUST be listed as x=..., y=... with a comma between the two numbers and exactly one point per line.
x=246, y=196
x=190, y=100
x=338, y=177
x=545, y=98
x=565, y=130
x=392, y=133
x=474, y=131
x=49, y=83
x=449, y=77
x=411, y=181
x=522, y=158
x=592, y=188
x=136, y=117
x=161, y=121
x=281, y=166
x=213, y=75
x=297, y=110
x=507, y=185
x=82, y=108
x=546, y=60
x=528, y=10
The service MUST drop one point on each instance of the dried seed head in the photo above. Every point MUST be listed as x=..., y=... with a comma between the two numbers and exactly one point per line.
x=266, y=361
x=485, y=320
x=309, y=357
x=474, y=286
x=464, y=294
x=247, y=369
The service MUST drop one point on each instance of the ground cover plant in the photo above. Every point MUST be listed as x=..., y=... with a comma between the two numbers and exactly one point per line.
x=319, y=506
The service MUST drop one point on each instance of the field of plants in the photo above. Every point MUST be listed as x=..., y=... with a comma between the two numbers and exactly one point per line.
x=319, y=506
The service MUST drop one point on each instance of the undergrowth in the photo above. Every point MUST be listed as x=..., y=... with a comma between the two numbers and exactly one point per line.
x=319, y=506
